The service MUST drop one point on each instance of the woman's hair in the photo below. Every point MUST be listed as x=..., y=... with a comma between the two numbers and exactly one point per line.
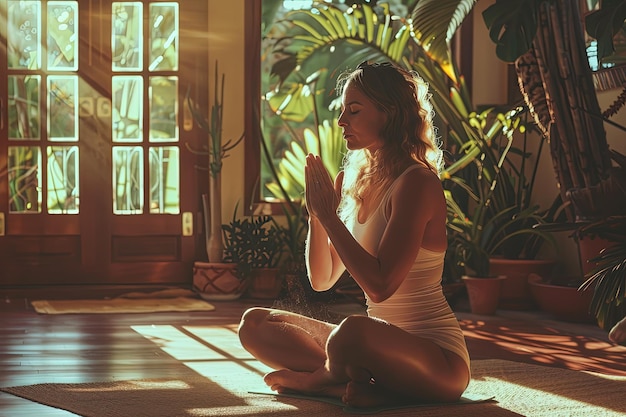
x=409, y=131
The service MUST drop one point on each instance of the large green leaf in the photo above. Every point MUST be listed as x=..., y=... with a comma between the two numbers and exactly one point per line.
x=435, y=22
x=512, y=26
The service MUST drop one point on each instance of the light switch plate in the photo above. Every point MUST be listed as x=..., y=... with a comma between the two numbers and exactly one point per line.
x=187, y=224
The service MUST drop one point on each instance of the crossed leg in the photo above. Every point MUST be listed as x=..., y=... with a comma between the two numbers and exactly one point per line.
x=364, y=361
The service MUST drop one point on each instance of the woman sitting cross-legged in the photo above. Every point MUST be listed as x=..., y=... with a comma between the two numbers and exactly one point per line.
x=383, y=219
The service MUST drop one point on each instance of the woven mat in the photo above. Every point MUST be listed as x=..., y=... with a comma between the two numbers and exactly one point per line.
x=175, y=299
x=518, y=389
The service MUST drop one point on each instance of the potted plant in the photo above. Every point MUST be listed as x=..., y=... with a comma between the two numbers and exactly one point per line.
x=215, y=279
x=489, y=209
x=560, y=300
x=465, y=246
x=518, y=244
x=607, y=277
x=255, y=246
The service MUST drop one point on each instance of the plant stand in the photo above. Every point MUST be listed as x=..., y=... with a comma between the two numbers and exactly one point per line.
x=217, y=281
x=483, y=293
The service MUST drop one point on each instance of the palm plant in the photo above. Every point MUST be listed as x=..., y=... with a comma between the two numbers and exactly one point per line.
x=311, y=48
x=608, y=279
x=328, y=39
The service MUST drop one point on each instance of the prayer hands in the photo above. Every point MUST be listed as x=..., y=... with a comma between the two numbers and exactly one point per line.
x=321, y=199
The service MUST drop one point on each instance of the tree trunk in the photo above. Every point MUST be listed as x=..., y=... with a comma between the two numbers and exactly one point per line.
x=580, y=153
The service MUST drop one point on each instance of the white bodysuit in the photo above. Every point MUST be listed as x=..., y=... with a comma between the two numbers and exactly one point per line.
x=418, y=306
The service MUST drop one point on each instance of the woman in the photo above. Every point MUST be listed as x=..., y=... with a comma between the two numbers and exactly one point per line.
x=384, y=220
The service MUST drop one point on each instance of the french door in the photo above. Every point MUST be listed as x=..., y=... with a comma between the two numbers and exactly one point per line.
x=97, y=181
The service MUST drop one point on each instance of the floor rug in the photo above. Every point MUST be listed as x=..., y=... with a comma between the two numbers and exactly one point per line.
x=174, y=299
x=518, y=389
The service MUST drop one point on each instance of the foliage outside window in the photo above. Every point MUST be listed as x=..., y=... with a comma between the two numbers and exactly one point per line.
x=299, y=109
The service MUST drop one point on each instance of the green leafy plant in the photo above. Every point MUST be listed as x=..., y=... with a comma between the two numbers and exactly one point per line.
x=365, y=32
x=608, y=278
x=292, y=235
x=496, y=216
x=252, y=242
x=327, y=39
x=290, y=170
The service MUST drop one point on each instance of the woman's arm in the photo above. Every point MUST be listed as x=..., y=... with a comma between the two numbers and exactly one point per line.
x=416, y=200
x=323, y=264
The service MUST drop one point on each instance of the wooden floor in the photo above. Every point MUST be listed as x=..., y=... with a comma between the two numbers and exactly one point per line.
x=87, y=348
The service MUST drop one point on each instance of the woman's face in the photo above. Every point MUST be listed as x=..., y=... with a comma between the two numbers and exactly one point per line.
x=360, y=120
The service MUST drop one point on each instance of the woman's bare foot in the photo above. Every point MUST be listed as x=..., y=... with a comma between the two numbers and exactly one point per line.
x=315, y=383
x=618, y=332
x=359, y=394
x=363, y=394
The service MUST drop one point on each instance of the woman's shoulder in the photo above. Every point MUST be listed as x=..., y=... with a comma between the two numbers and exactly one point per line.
x=418, y=172
x=418, y=183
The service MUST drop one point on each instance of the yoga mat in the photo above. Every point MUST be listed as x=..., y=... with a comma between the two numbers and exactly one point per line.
x=466, y=399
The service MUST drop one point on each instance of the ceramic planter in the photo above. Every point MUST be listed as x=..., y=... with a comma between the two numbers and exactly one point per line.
x=563, y=302
x=589, y=247
x=217, y=281
x=483, y=293
x=516, y=293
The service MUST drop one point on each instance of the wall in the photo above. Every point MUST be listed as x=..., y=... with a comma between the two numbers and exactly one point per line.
x=226, y=45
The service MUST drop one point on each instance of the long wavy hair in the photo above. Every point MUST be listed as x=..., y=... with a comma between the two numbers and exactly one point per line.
x=409, y=131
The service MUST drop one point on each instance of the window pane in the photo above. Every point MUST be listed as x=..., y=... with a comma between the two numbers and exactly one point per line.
x=127, y=108
x=163, y=37
x=163, y=109
x=127, y=180
x=164, y=180
x=24, y=179
x=24, y=112
x=127, y=36
x=62, y=37
x=63, y=179
x=24, y=28
x=63, y=113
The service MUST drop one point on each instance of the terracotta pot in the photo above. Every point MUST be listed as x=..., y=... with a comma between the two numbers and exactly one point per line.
x=483, y=293
x=589, y=247
x=516, y=294
x=563, y=302
x=265, y=283
x=217, y=281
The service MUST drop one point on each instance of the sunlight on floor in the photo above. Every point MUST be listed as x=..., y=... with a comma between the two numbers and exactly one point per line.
x=176, y=343
x=215, y=353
